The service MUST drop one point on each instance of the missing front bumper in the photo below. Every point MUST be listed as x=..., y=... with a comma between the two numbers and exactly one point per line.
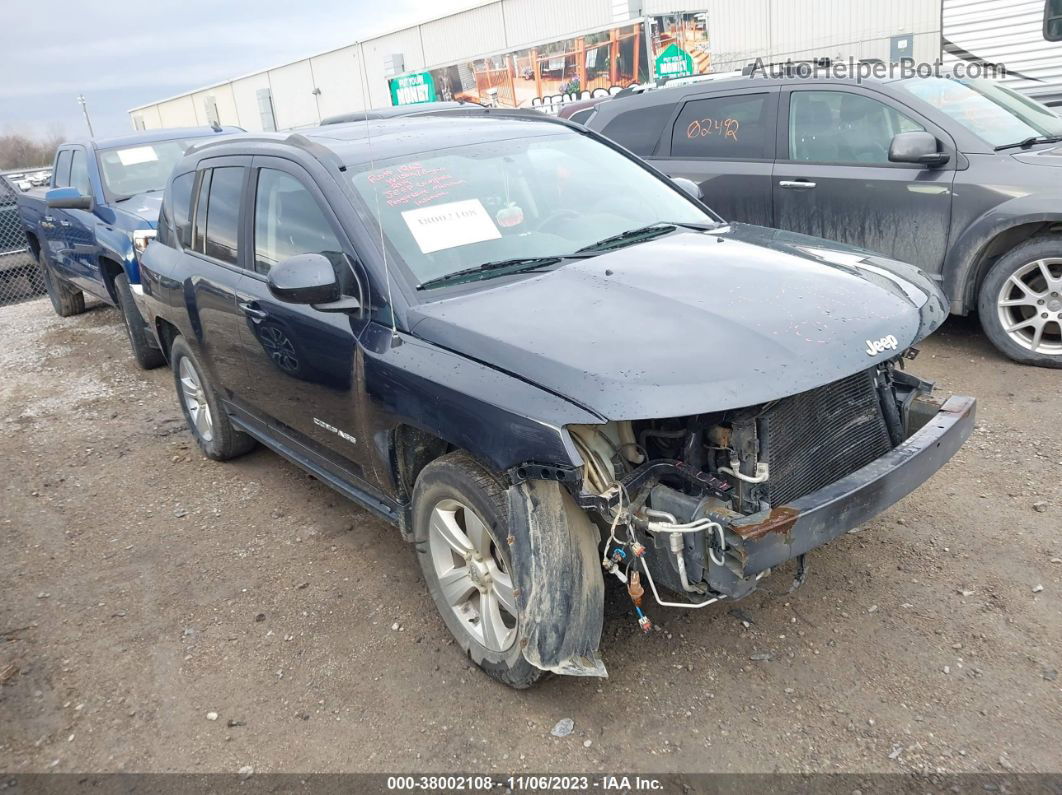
x=759, y=542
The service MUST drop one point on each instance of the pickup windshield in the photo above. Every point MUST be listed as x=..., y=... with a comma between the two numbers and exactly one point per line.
x=141, y=168
x=506, y=204
x=991, y=111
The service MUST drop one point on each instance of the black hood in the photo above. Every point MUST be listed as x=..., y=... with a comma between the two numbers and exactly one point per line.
x=692, y=322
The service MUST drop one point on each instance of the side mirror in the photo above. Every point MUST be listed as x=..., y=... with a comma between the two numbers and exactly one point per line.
x=916, y=147
x=688, y=185
x=304, y=279
x=67, y=199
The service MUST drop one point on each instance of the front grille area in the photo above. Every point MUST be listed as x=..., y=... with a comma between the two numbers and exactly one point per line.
x=819, y=436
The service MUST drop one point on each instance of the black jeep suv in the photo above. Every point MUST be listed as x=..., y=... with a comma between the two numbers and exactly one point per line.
x=544, y=362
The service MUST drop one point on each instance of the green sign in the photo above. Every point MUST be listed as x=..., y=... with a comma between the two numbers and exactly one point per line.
x=411, y=89
x=673, y=62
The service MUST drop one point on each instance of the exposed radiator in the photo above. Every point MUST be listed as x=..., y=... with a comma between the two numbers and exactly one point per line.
x=819, y=436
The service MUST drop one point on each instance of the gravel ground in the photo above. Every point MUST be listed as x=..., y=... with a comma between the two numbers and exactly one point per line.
x=162, y=612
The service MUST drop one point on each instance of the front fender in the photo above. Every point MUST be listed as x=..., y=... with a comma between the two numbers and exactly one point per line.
x=117, y=244
x=963, y=259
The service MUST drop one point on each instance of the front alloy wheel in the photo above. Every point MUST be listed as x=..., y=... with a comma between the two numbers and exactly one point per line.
x=1030, y=306
x=472, y=574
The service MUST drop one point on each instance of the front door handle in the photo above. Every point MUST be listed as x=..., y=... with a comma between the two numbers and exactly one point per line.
x=250, y=308
x=796, y=184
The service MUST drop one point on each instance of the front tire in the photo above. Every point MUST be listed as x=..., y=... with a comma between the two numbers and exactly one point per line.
x=66, y=300
x=460, y=531
x=206, y=417
x=146, y=355
x=1020, y=305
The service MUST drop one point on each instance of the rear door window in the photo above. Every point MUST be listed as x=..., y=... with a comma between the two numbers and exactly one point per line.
x=639, y=130
x=223, y=213
x=199, y=228
x=731, y=127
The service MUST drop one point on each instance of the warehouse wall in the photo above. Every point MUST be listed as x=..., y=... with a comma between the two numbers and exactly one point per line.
x=738, y=33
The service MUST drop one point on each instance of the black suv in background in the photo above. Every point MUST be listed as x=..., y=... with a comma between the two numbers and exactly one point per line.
x=962, y=178
x=544, y=362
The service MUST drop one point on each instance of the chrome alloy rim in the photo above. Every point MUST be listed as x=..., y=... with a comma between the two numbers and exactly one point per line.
x=195, y=401
x=1030, y=306
x=472, y=574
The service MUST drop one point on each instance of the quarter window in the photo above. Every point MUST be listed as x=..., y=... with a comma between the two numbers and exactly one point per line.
x=288, y=221
x=180, y=208
x=223, y=213
x=723, y=127
x=638, y=130
x=199, y=230
x=841, y=127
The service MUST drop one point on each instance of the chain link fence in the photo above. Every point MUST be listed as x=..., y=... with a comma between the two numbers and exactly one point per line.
x=20, y=278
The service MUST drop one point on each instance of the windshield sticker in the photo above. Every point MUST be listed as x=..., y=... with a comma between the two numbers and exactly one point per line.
x=414, y=184
x=443, y=226
x=138, y=154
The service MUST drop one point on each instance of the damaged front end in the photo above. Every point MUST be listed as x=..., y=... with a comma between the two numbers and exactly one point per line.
x=704, y=506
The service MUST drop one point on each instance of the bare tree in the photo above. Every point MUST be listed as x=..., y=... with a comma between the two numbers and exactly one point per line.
x=18, y=150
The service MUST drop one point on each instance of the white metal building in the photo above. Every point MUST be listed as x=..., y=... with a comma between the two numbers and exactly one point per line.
x=520, y=40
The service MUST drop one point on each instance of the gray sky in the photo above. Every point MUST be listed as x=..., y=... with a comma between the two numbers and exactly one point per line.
x=124, y=53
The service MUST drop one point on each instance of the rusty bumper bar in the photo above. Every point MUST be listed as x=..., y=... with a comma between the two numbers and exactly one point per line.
x=814, y=519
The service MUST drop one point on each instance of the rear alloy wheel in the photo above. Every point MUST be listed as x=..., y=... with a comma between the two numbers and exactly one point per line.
x=460, y=530
x=1021, y=303
x=206, y=417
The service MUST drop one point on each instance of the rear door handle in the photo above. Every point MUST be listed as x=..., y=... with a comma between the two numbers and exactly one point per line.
x=796, y=184
x=250, y=308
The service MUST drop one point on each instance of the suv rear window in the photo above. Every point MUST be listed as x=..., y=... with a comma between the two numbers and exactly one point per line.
x=175, y=210
x=723, y=127
x=639, y=130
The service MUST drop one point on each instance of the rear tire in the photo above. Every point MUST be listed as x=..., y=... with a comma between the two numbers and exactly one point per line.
x=1020, y=304
x=206, y=417
x=460, y=532
x=66, y=300
x=147, y=356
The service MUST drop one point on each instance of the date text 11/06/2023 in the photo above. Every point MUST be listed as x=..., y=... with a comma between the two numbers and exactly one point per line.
x=525, y=783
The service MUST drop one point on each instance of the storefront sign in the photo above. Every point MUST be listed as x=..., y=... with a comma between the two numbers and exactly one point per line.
x=673, y=62
x=412, y=89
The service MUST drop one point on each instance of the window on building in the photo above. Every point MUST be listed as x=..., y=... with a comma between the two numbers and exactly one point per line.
x=79, y=177
x=841, y=127
x=724, y=127
x=265, y=109
x=289, y=221
x=1053, y=20
x=639, y=130
x=223, y=213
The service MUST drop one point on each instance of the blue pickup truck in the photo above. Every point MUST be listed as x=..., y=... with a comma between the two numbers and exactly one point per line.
x=89, y=226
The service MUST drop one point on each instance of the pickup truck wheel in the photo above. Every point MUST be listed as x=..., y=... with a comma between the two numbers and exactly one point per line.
x=1020, y=305
x=66, y=300
x=147, y=356
x=460, y=531
x=203, y=412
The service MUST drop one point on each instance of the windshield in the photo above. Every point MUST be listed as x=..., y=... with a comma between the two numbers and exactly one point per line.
x=993, y=112
x=139, y=169
x=549, y=196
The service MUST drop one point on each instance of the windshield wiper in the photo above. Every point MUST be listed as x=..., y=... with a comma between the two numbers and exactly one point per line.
x=127, y=198
x=514, y=265
x=645, y=233
x=1033, y=139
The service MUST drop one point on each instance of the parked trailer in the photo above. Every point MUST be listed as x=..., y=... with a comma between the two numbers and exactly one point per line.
x=1024, y=36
